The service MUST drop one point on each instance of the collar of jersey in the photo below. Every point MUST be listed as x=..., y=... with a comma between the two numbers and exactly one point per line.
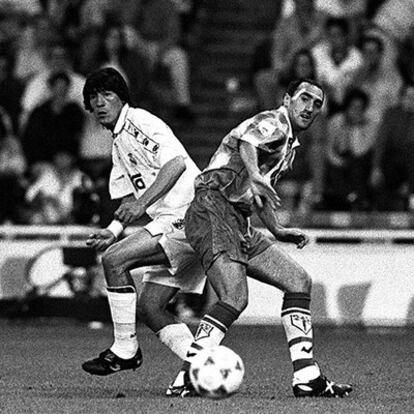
x=121, y=120
x=284, y=111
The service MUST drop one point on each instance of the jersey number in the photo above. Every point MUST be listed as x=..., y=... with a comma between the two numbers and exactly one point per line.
x=137, y=181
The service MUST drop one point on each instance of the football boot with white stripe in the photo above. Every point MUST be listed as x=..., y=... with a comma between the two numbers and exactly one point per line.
x=321, y=387
x=109, y=363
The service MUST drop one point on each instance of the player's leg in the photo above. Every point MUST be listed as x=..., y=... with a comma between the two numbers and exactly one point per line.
x=215, y=231
x=274, y=267
x=228, y=279
x=136, y=250
x=152, y=304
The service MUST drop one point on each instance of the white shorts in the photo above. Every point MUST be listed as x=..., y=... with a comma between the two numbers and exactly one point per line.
x=185, y=272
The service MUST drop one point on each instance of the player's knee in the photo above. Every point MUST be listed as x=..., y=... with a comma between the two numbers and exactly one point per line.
x=237, y=297
x=110, y=258
x=242, y=303
x=302, y=283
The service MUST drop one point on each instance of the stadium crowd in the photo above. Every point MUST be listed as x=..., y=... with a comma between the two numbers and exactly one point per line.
x=361, y=52
x=55, y=158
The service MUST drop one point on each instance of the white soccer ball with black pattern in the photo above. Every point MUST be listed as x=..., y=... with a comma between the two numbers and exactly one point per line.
x=217, y=372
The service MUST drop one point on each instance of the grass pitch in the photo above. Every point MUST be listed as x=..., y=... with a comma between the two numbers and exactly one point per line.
x=41, y=372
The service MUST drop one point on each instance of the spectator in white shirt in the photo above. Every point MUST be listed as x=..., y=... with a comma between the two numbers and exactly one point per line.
x=336, y=60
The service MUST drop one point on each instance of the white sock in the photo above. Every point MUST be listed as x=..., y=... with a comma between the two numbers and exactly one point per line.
x=306, y=374
x=177, y=337
x=123, y=312
x=179, y=379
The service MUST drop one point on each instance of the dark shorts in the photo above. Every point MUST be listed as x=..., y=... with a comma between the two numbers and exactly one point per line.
x=213, y=226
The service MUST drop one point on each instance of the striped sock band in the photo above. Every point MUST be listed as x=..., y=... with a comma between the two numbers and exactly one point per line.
x=212, y=329
x=296, y=319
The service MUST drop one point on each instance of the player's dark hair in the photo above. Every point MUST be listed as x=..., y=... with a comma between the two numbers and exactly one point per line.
x=294, y=85
x=106, y=79
x=340, y=22
x=355, y=94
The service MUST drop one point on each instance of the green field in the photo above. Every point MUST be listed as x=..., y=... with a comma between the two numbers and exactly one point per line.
x=41, y=358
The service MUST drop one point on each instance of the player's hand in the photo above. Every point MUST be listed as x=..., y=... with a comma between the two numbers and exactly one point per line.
x=292, y=236
x=264, y=192
x=100, y=240
x=129, y=212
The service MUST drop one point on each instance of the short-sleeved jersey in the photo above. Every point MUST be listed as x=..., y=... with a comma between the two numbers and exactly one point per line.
x=142, y=145
x=271, y=133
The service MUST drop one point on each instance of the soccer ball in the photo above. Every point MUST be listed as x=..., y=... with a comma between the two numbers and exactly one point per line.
x=216, y=372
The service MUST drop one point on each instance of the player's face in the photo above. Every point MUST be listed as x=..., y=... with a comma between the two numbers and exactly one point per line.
x=106, y=106
x=304, y=106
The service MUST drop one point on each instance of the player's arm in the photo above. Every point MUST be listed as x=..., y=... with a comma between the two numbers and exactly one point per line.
x=288, y=235
x=101, y=239
x=262, y=191
x=168, y=175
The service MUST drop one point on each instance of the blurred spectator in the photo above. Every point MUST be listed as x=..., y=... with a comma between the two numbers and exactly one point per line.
x=115, y=52
x=31, y=46
x=380, y=82
x=95, y=148
x=11, y=90
x=393, y=166
x=55, y=125
x=50, y=194
x=337, y=61
x=354, y=11
x=270, y=93
x=192, y=14
x=12, y=169
x=93, y=13
x=87, y=49
x=302, y=29
x=392, y=23
x=395, y=17
x=26, y=7
x=349, y=155
x=66, y=15
x=405, y=59
x=127, y=11
x=37, y=90
x=10, y=24
x=158, y=39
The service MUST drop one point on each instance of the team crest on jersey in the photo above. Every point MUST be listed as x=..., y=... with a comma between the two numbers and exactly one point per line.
x=203, y=330
x=266, y=128
x=301, y=322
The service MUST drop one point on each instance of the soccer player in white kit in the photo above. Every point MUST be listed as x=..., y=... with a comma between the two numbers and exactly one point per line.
x=153, y=174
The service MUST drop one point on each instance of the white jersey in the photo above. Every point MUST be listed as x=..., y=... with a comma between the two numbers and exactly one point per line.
x=142, y=144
